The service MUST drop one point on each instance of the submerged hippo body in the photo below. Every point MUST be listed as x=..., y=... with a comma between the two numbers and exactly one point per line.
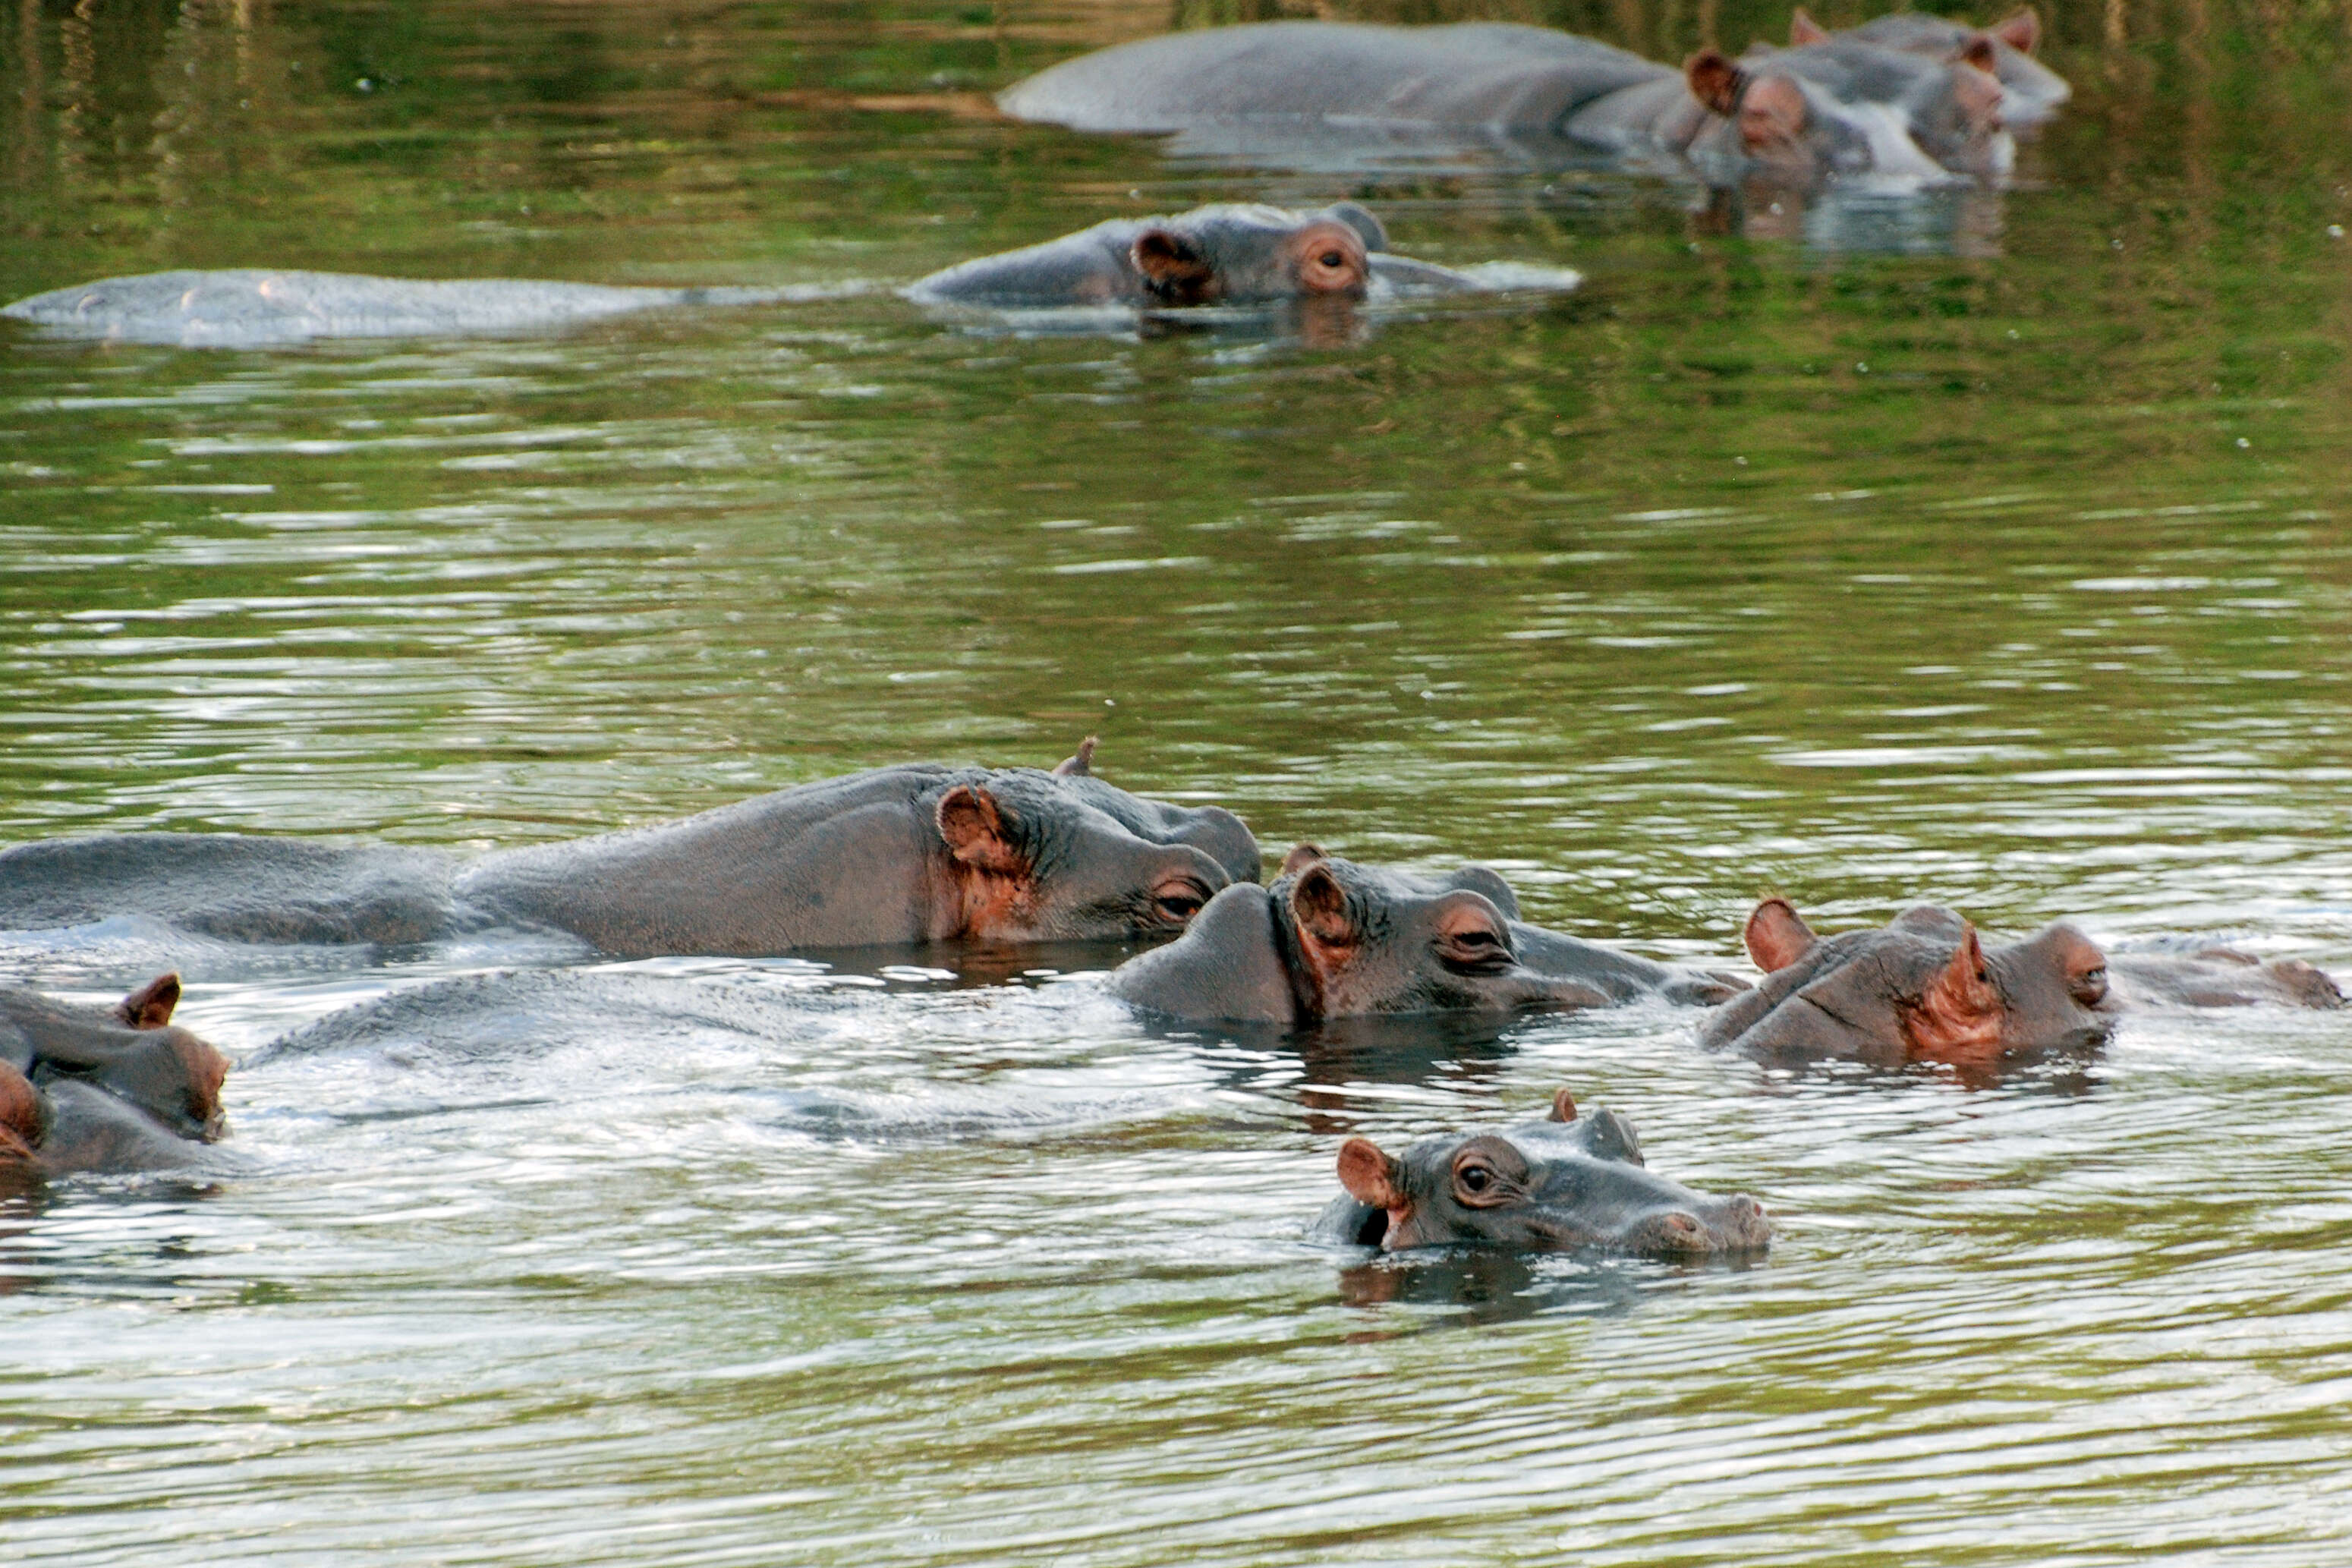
x=1332, y=938
x=1562, y=1182
x=86, y=1090
x=2031, y=92
x=1925, y=988
x=914, y=854
x=1212, y=255
x=1839, y=109
x=252, y=308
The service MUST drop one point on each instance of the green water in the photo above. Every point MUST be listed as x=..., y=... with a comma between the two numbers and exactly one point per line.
x=1992, y=551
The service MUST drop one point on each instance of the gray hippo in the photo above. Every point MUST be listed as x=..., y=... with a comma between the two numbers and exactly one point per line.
x=1558, y=1182
x=1840, y=108
x=1210, y=255
x=1925, y=988
x=2031, y=92
x=1331, y=939
x=87, y=1090
x=907, y=855
x=252, y=308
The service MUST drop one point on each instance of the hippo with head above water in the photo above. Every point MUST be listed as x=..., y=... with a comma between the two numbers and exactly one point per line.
x=119, y=1090
x=1210, y=255
x=1925, y=988
x=1563, y=1182
x=2031, y=92
x=1836, y=109
x=1331, y=939
x=909, y=855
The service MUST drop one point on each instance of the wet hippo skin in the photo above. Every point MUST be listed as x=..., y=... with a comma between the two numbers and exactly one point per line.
x=84, y=1088
x=1925, y=988
x=2031, y=92
x=1332, y=938
x=1562, y=1182
x=917, y=853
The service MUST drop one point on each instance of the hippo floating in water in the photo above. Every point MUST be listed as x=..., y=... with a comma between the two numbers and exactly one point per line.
x=87, y=1090
x=1210, y=255
x=1562, y=1182
x=2031, y=92
x=1925, y=988
x=1835, y=109
x=907, y=855
x=1331, y=939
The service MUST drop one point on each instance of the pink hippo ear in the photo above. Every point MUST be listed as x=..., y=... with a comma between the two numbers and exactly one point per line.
x=1079, y=765
x=974, y=828
x=1714, y=81
x=1319, y=905
x=2020, y=30
x=1371, y=1176
x=1959, y=1017
x=1172, y=266
x=1777, y=936
x=1979, y=52
x=150, y=1006
x=1563, y=1104
x=1803, y=30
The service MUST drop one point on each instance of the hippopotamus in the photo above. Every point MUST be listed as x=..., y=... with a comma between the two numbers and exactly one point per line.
x=85, y=1089
x=907, y=855
x=1560, y=1182
x=1835, y=109
x=2031, y=92
x=1214, y=255
x=254, y=308
x=1333, y=939
x=1925, y=988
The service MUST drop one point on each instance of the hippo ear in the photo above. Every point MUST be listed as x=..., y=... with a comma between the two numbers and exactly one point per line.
x=1371, y=1176
x=1714, y=81
x=1979, y=52
x=1302, y=855
x=1777, y=936
x=1563, y=1104
x=1320, y=906
x=1080, y=764
x=1173, y=267
x=150, y=1006
x=1368, y=229
x=23, y=1116
x=1803, y=30
x=974, y=828
x=2020, y=30
x=1959, y=1017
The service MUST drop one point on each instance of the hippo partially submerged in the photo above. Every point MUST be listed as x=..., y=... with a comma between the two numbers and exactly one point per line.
x=909, y=855
x=83, y=1089
x=1925, y=988
x=1558, y=1183
x=1834, y=109
x=1221, y=255
x=1332, y=938
x=2031, y=92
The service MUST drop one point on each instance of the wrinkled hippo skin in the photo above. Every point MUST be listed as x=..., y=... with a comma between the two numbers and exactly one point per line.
x=2031, y=92
x=1925, y=988
x=1210, y=255
x=87, y=1090
x=1558, y=1183
x=253, y=307
x=1331, y=939
x=1801, y=115
x=918, y=853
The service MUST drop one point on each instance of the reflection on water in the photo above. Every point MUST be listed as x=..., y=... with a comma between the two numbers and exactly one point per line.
x=1982, y=551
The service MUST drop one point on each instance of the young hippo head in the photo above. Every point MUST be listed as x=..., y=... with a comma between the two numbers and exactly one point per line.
x=1567, y=1181
x=1847, y=111
x=2031, y=92
x=1921, y=989
x=1029, y=859
x=1238, y=255
x=130, y=1052
x=1216, y=832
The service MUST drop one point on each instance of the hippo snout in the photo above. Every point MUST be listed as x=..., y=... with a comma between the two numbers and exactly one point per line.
x=1737, y=1224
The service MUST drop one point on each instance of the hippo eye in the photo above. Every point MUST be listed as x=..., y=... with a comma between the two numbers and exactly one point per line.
x=2090, y=987
x=1177, y=903
x=1477, y=1184
x=1476, y=1178
x=1332, y=260
x=1476, y=949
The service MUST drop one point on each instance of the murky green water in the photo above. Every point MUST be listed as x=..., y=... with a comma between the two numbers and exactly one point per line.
x=1992, y=551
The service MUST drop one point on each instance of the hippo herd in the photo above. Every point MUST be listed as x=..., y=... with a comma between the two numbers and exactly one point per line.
x=920, y=855
x=1901, y=103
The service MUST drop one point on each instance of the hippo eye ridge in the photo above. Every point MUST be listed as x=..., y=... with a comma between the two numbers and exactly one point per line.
x=2090, y=987
x=1177, y=903
x=1479, y=1183
x=1476, y=951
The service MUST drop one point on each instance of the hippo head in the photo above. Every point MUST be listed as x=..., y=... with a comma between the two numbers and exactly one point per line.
x=1237, y=254
x=1923, y=988
x=1218, y=833
x=1029, y=860
x=131, y=1049
x=2031, y=92
x=1560, y=1182
x=1844, y=111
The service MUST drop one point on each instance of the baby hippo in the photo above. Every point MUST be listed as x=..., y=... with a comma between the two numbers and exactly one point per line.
x=82, y=1089
x=1556, y=1184
x=1925, y=988
x=1332, y=938
x=1211, y=256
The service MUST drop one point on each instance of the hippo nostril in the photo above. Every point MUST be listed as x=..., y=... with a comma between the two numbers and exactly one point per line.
x=1682, y=1225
